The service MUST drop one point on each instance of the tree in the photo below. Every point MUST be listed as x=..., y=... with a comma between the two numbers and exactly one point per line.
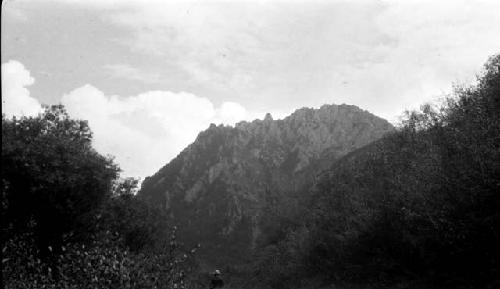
x=53, y=181
x=141, y=226
x=418, y=208
x=419, y=203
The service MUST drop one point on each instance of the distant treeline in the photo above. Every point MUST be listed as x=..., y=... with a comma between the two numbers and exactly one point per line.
x=419, y=208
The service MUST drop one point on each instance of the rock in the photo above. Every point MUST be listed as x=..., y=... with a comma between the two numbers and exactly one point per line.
x=231, y=173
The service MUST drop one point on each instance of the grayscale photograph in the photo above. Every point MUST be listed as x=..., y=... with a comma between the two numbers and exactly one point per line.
x=250, y=144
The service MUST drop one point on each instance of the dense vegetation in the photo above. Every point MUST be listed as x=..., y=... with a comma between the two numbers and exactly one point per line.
x=420, y=208
x=69, y=222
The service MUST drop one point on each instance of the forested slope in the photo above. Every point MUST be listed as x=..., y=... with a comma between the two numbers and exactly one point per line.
x=418, y=208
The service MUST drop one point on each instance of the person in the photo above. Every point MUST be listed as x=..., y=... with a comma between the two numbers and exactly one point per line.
x=216, y=281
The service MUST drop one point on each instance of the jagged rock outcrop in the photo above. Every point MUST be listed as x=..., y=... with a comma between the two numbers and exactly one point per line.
x=217, y=188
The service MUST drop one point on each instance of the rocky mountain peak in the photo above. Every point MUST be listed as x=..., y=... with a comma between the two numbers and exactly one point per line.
x=218, y=187
x=268, y=117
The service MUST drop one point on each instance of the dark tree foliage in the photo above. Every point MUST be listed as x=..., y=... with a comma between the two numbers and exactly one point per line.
x=421, y=203
x=140, y=225
x=68, y=222
x=419, y=208
x=52, y=178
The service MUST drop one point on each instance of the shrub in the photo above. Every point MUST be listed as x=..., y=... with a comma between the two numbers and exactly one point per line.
x=100, y=263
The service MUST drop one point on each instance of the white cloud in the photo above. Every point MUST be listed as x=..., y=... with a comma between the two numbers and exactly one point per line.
x=125, y=71
x=143, y=132
x=231, y=112
x=438, y=44
x=383, y=56
x=13, y=13
x=16, y=99
x=146, y=131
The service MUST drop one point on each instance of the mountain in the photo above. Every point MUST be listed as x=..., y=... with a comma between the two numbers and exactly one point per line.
x=219, y=190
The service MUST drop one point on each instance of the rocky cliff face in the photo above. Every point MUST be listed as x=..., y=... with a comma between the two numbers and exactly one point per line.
x=217, y=189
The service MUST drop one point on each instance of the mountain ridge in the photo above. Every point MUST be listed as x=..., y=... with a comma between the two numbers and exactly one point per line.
x=217, y=188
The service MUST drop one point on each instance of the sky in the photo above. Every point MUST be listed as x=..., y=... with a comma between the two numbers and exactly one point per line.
x=150, y=75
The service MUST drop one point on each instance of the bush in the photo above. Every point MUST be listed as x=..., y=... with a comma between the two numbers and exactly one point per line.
x=98, y=264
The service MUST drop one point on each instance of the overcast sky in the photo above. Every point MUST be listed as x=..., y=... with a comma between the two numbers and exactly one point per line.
x=149, y=75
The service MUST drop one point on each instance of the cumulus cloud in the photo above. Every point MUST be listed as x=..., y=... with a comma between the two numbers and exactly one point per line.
x=230, y=113
x=147, y=130
x=143, y=132
x=16, y=99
